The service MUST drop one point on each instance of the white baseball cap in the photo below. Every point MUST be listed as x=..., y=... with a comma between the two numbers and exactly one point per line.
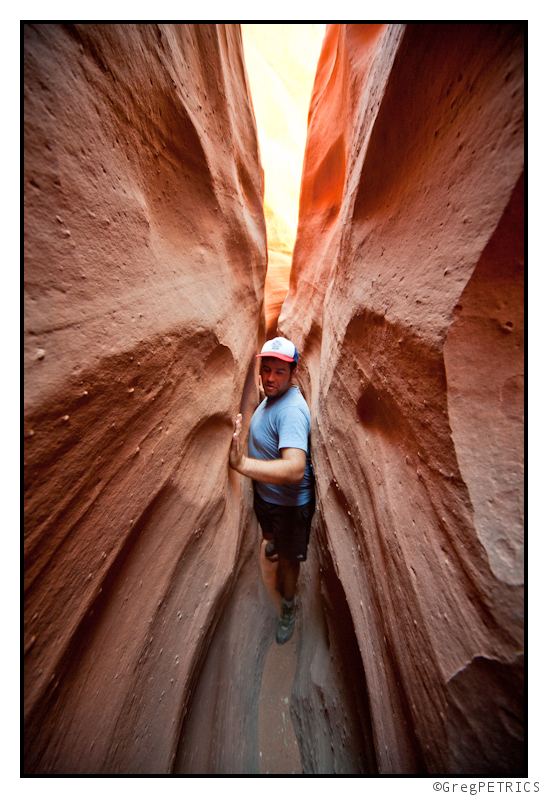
x=281, y=348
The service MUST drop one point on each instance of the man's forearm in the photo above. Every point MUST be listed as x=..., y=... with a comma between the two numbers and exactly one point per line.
x=274, y=472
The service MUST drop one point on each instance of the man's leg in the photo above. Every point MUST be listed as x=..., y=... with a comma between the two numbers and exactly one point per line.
x=286, y=578
x=293, y=543
x=286, y=582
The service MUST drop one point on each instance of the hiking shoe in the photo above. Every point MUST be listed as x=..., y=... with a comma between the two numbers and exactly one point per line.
x=286, y=622
x=270, y=551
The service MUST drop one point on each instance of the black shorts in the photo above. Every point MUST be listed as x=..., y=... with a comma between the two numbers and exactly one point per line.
x=288, y=527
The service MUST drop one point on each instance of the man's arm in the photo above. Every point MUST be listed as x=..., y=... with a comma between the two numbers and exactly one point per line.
x=288, y=470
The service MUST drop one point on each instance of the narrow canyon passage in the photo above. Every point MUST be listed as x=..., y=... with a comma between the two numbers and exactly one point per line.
x=278, y=746
x=149, y=615
x=281, y=61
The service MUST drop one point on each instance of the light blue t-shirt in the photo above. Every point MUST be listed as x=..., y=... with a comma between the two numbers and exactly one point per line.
x=280, y=423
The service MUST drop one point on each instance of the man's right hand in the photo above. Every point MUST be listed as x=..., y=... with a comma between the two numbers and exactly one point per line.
x=289, y=469
x=236, y=455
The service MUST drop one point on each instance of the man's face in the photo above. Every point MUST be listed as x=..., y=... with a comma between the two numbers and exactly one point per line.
x=275, y=376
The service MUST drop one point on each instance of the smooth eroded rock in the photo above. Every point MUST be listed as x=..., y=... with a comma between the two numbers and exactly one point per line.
x=145, y=259
x=406, y=300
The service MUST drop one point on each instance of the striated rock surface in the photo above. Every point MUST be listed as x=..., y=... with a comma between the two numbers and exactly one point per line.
x=406, y=300
x=145, y=259
x=281, y=62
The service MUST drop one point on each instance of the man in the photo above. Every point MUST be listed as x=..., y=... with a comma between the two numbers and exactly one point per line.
x=280, y=467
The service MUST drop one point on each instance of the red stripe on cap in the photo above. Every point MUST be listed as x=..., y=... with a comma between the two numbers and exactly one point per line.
x=278, y=355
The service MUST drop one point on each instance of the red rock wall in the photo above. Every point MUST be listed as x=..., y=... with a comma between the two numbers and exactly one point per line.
x=145, y=259
x=406, y=300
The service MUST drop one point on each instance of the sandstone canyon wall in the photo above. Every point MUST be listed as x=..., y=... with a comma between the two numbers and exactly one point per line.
x=145, y=260
x=406, y=301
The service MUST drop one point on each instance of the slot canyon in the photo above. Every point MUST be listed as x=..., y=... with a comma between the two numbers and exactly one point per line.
x=147, y=616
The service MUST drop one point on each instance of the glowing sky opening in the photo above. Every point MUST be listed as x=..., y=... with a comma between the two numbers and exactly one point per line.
x=281, y=62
